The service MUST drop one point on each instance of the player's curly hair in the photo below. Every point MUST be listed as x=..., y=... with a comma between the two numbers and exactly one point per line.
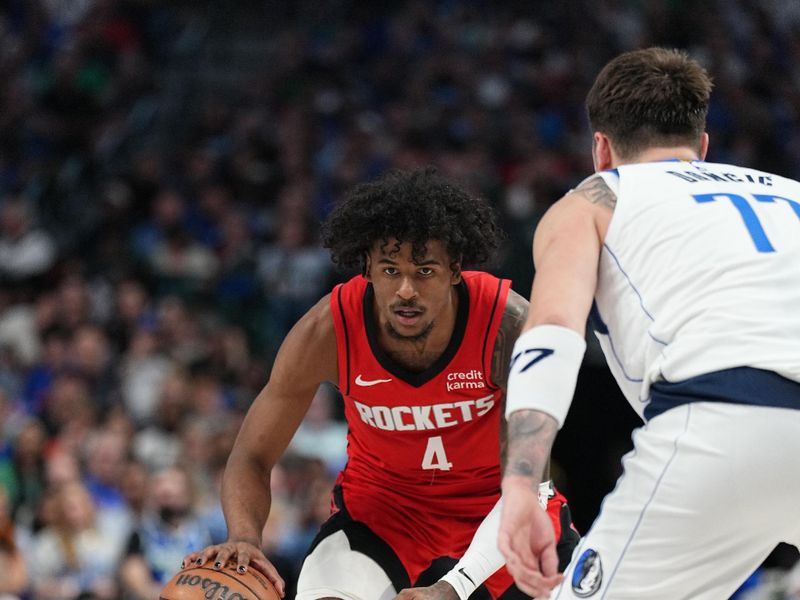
x=411, y=206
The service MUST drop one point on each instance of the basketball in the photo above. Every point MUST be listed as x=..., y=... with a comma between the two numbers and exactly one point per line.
x=207, y=583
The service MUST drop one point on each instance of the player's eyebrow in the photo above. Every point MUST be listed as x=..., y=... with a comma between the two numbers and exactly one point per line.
x=423, y=263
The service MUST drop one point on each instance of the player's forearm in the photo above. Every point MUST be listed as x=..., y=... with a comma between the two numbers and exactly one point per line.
x=483, y=558
x=530, y=436
x=246, y=499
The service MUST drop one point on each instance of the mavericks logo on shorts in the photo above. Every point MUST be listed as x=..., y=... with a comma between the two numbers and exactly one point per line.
x=588, y=574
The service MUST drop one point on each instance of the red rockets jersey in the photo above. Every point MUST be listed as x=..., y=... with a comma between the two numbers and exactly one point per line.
x=430, y=438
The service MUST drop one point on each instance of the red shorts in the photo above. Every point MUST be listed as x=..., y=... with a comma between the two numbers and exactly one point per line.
x=404, y=539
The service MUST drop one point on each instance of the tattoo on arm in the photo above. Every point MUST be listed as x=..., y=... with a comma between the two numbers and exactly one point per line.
x=514, y=316
x=510, y=326
x=596, y=191
x=530, y=437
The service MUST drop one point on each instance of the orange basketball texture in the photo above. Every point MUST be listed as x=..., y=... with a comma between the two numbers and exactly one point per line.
x=206, y=583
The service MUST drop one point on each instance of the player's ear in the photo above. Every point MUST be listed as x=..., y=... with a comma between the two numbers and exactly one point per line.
x=455, y=272
x=704, y=146
x=602, y=155
x=367, y=264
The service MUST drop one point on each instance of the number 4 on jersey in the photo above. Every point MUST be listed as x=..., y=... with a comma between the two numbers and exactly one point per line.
x=435, y=457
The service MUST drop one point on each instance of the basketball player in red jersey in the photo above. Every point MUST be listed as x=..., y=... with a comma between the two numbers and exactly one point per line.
x=419, y=350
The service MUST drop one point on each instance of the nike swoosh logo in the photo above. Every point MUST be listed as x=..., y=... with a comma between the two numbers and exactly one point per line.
x=464, y=573
x=369, y=382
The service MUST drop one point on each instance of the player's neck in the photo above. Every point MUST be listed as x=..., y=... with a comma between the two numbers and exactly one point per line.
x=658, y=154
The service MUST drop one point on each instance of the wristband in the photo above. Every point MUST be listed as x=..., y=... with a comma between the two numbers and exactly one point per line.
x=544, y=371
x=483, y=558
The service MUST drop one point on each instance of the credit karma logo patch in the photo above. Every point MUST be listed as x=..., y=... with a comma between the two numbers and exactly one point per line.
x=465, y=380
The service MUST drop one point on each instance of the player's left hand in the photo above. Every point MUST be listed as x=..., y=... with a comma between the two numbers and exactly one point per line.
x=441, y=590
x=527, y=539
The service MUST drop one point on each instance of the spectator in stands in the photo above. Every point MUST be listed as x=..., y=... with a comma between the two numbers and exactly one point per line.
x=293, y=271
x=23, y=471
x=25, y=251
x=143, y=371
x=169, y=528
x=15, y=574
x=73, y=307
x=40, y=377
x=117, y=127
x=158, y=444
x=69, y=414
x=73, y=555
x=104, y=454
x=90, y=357
x=320, y=435
x=133, y=312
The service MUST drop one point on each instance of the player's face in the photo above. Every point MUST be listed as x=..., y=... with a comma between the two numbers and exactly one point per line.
x=410, y=296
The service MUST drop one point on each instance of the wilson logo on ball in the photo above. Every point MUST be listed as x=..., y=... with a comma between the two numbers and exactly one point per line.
x=214, y=590
x=226, y=583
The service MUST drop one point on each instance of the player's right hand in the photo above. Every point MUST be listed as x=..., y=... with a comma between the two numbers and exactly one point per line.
x=240, y=552
x=441, y=590
x=527, y=539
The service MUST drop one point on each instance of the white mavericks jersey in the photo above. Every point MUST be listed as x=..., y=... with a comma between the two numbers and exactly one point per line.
x=699, y=272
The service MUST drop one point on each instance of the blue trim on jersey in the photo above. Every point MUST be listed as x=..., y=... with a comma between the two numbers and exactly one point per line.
x=630, y=283
x=740, y=385
x=636, y=291
x=619, y=362
x=649, y=501
x=596, y=323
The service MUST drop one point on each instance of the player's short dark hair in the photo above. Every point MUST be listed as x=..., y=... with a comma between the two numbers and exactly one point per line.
x=416, y=207
x=650, y=97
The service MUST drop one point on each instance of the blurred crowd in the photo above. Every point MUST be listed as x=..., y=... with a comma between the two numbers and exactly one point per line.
x=158, y=231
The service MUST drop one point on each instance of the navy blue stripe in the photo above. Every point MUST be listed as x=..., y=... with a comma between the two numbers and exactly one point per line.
x=596, y=321
x=741, y=385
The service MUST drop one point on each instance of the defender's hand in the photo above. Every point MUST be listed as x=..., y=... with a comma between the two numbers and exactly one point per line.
x=243, y=554
x=441, y=590
x=527, y=539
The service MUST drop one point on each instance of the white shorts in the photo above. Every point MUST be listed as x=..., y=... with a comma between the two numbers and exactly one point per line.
x=708, y=491
x=334, y=570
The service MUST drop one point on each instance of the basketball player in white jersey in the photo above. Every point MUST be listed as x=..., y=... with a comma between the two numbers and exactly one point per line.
x=690, y=272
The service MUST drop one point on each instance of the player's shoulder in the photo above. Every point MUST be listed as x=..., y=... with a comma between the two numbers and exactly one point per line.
x=584, y=213
x=318, y=320
x=516, y=305
x=591, y=203
x=310, y=346
x=598, y=191
x=314, y=331
x=514, y=315
x=488, y=289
